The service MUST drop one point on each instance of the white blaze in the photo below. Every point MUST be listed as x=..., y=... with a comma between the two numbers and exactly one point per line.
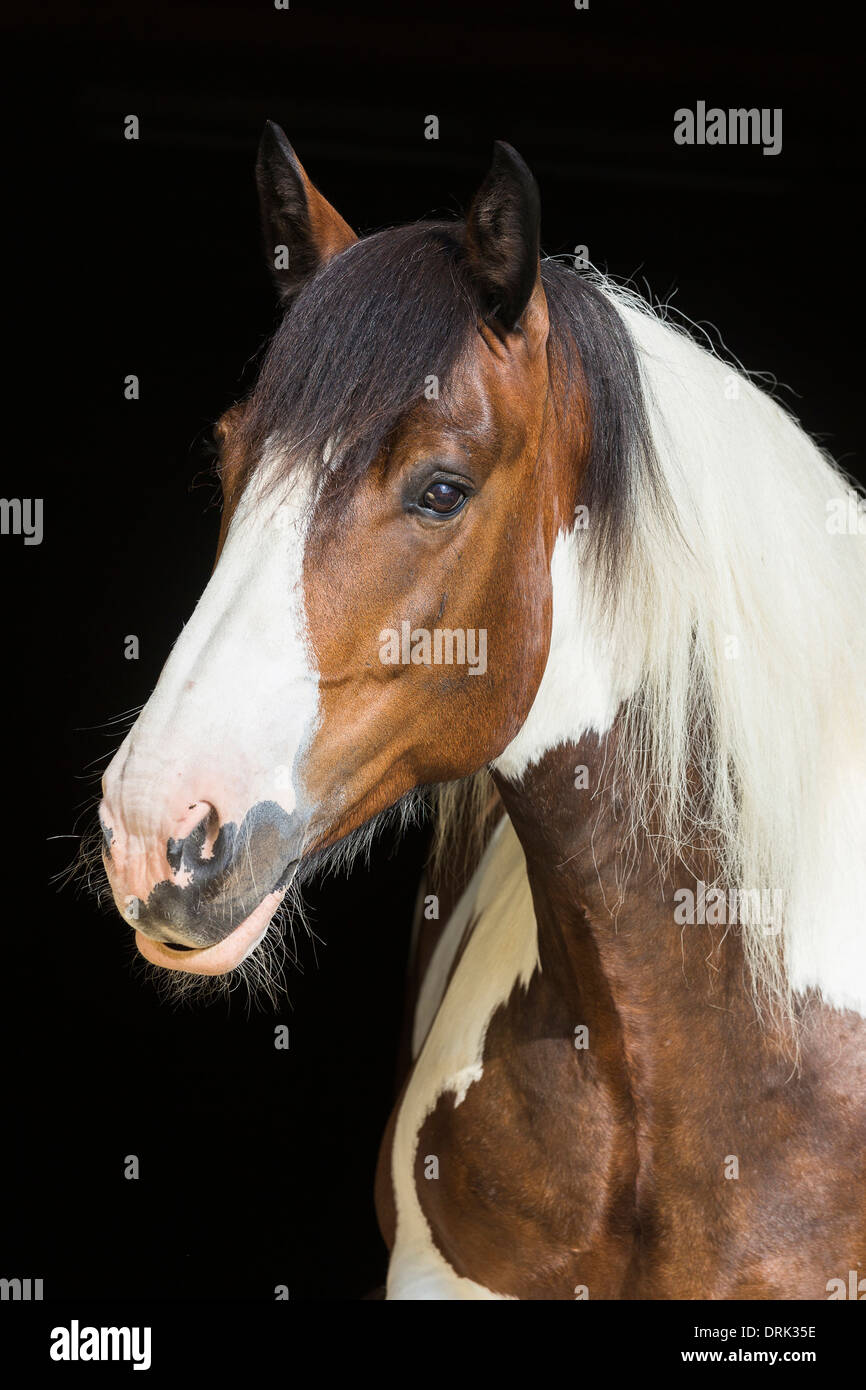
x=237, y=700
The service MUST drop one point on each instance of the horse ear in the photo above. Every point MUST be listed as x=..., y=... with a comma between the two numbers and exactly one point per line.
x=301, y=229
x=502, y=243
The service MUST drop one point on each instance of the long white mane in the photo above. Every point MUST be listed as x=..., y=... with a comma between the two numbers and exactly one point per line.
x=735, y=652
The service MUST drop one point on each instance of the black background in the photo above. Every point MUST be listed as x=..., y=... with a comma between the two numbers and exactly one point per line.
x=257, y=1165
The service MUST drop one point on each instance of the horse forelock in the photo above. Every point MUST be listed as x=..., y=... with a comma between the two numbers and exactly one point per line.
x=356, y=351
x=383, y=329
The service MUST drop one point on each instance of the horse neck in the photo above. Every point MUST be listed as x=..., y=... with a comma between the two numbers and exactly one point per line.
x=607, y=934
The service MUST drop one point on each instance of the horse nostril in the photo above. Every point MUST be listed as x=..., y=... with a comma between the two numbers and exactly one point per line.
x=211, y=831
x=196, y=835
x=199, y=820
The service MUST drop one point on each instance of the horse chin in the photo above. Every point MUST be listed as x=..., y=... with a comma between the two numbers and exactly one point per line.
x=225, y=955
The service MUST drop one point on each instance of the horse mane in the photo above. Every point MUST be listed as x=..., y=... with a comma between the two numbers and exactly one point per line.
x=753, y=673
x=736, y=623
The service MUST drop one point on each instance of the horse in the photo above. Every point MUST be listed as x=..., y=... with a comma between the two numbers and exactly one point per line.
x=637, y=1028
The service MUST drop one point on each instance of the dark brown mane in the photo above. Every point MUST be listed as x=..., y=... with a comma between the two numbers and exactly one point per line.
x=352, y=353
x=357, y=344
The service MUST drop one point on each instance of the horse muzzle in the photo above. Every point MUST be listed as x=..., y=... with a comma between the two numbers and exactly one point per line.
x=201, y=898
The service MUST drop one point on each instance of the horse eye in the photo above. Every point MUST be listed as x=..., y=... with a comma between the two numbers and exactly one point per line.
x=443, y=498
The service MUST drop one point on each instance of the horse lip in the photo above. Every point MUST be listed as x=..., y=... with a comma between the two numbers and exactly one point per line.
x=223, y=955
x=181, y=938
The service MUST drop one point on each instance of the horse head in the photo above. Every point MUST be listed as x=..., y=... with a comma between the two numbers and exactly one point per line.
x=379, y=616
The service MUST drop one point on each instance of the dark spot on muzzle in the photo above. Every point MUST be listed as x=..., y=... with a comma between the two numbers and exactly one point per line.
x=220, y=889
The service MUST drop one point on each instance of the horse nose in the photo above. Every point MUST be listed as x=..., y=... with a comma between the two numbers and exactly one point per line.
x=191, y=876
x=175, y=842
x=180, y=853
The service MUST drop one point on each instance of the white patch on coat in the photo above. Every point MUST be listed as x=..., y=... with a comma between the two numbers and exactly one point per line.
x=584, y=682
x=501, y=953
